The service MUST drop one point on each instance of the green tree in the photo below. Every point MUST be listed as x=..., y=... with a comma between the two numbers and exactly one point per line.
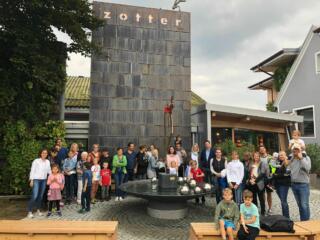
x=280, y=75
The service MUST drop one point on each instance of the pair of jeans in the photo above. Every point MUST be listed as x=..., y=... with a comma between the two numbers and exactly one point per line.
x=237, y=195
x=104, y=192
x=38, y=189
x=141, y=176
x=94, y=189
x=253, y=233
x=118, y=178
x=282, y=191
x=57, y=202
x=86, y=199
x=218, y=189
x=301, y=193
x=129, y=176
x=258, y=194
x=70, y=186
x=79, y=192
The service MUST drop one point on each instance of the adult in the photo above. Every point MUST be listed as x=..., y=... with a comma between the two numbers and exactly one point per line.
x=256, y=182
x=105, y=157
x=300, y=167
x=247, y=161
x=62, y=152
x=282, y=182
x=183, y=158
x=40, y=170
x=265, y=158
x=119, y=164
x=218, y=165
x=206, y=155
x=172, y=157
x=195, y=153
x=131, y=156
x=152, y=163
x=95, y=153
x=142, y=163
x=79, y=169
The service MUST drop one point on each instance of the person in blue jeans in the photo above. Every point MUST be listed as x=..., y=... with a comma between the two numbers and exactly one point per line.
x=86, y=189
x=300, y=167
x=131, y=156
x=119, y=164
x=282, y=182
x=40, y=170
x=204, y=163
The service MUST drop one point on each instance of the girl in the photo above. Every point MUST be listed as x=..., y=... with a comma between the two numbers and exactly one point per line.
x=95, y=169
x=95, y=153
x=258, y=173
x=38, y=177
x=195, y=153
x=152, y=165
x=198, y=176
x=119, y=170
x=172, y=156
x=56, y=184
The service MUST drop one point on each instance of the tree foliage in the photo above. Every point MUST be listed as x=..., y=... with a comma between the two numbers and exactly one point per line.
x=228, y=146
x=280, y=75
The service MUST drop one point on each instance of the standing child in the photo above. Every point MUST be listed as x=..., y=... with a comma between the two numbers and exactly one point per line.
x=227, y=215
x=56, y=184
x=95, y=169
x=69, y=169
x=198, y=176
x=105, y=181
x=86, y=191
x=173, y=169
x=249, y=218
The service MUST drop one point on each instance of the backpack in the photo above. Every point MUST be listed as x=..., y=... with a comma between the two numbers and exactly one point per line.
x=276, y=223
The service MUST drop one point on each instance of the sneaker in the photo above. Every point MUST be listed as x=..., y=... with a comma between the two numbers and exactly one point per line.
x=59, y=213
x=93, y=201
x=121, y=199
x=40, y=214
x=30, y=215
x=82, y=211
x=269, y=212
x=78, y=202
x=117, y=199
x=48, y=214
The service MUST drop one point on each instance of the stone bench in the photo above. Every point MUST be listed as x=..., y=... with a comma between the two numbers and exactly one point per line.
x=206, y=231
x=58, y=230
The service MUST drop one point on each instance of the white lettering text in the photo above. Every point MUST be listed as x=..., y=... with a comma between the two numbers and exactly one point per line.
x=138, y=17
x=178, y=21
x=107, y=15
x=164, y=21
x=150, y=18
x=123, y=17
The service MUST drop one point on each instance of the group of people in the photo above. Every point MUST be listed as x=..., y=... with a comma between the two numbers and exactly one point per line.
x=78, y=175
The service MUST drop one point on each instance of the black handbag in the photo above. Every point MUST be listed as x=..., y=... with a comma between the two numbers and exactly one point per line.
x=276, y=223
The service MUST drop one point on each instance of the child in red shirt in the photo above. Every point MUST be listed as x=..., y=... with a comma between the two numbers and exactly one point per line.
x=105, y=181
x=197, y=175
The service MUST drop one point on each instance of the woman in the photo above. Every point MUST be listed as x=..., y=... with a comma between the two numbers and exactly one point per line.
x=247, y=162
x=172, y=157
x=282, y=182
x=119, y=170
x=152, y=163
x=258, y=173
x=95, y=153
x=195, y=153
x=40, y=170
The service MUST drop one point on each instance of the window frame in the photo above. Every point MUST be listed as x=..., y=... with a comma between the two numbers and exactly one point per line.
x=317, y=62
x=314, y=120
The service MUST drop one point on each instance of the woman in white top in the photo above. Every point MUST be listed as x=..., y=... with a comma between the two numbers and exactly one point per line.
x=195, y=152
x=40, y=170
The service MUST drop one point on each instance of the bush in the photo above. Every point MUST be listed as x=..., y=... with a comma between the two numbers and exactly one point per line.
x=313, y=151
x=21, y=146
x=228, y=146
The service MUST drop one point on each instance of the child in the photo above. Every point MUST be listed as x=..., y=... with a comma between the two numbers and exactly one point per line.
x=56, y=184
x=249, y=218
x=86, y=191
x=161, y=165
x=235, y=174
x=69, y=169
x=105, y=181
x=297, y=140
x=198, y=176
x=95, y=169
x=173, y=169
x=83, y=159
x=188, y=169
x=227, y=215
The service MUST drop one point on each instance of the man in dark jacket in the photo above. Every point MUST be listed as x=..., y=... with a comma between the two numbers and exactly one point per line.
x=206, y=155
x=131, y=156
x=142, y=163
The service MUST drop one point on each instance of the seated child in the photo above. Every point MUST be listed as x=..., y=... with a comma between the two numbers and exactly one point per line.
x=227, y=215
x=198, y=176
x=173, y=169
x=249, y=218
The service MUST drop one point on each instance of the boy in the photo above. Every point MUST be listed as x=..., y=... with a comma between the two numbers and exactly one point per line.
x=105, y=181
x=249, y=218
x=198, y=176
x=87, y=183
x=227, y=215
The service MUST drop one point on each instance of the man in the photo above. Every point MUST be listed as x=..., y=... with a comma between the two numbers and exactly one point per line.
x=300, y=166
x=182, y=154
x=62, y=154
x=265, y=158
x=131, y=156
x=205, y=157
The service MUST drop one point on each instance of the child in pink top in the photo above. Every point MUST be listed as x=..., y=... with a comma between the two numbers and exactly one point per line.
x=56, y=184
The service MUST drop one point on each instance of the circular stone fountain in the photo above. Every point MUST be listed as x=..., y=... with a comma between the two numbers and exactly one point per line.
x=164, y=203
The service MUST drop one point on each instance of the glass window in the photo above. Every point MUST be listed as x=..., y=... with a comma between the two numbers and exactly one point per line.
x=219, y=135
x=307, y=127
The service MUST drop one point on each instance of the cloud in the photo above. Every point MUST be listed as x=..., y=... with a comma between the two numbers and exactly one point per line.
x=229, y=37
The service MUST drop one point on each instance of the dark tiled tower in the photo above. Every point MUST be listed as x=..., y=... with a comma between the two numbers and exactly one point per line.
x=144, y=60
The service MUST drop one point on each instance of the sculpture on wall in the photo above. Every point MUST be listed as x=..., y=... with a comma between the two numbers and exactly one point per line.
x=168, y=121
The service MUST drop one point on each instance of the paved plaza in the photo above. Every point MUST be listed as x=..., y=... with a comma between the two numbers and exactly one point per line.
x=134, y=223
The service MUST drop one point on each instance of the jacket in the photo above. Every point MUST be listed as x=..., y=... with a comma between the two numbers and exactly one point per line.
x=204, y=163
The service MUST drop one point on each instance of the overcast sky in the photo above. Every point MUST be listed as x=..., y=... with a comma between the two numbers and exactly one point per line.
x=228, y=38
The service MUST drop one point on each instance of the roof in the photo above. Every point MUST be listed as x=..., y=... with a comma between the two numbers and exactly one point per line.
x=317, y=30
x=280, y=58
x=262, y=85
x=295, y=65
x=247, y=112
x=77, y=93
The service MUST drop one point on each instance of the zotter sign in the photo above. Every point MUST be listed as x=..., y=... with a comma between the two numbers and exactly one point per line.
x=144, y=60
